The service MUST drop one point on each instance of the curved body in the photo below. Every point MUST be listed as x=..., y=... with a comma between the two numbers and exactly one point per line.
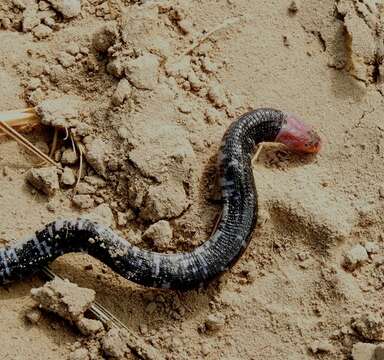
x=177, y=271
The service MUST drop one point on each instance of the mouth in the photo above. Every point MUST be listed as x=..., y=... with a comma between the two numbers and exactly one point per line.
x=298, y=136
x=314, y=145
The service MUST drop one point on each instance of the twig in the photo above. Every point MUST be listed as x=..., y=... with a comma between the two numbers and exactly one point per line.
x=81, y=151
x=19, y=118
x=26, y=143
x=258, y=152
x=54, y=142
x=199, y=41
x=218, y=219
x=30, y=110
x=138, y=346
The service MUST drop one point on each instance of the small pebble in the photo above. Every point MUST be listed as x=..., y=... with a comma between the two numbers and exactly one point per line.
x=205, y=349
x=34, y=83
x=363, y=351
x=69, y=157
x=322, y=346
x=121, y=219
x=42, y=31
x=355, y=257
x=208, y=65
x=68, y=8
x=104, y=37
x=102, y=214
x=89, y=326
x=185, y=108
x=85, y=188
x=72, y=49
x=44, y=179
x=143, y=329
x=370, y=326
x=379, y=261
x=79, y=354
x=160, y=234
x=68, y=177
x=213, y=116
x=217, y=95
x=371, y=247
x=30, y=20
x=186, y=26
x=293, y=8
x=83, y=201
x=33, y=316
x=51, y=206
x=95, y=181
x=96, y=153
x=143, y=71
x=114, y=344
x=122, y=92
x=66, y=60
x=215, y=322
x=6, y=23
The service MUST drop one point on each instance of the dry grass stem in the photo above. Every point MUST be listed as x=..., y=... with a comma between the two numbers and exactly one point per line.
x=21, y=119
x=26, y=143
x=54, y=143
x=258, y=152
x=199, y=41
x=79, y=173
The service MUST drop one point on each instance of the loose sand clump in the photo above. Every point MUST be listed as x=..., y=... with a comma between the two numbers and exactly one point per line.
x=62, y=112
x=160, y=234
x=64, y=299
x=68, y=8
x=44, y=179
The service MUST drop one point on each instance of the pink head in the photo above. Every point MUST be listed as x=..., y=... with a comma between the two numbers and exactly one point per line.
x=298, y=136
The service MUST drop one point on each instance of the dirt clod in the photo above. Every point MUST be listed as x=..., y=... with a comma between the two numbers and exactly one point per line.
x=44, y=179
x=68, y=8
x=322, y=346
x=122, y=93
x=68, y=177
x=64, y=298
x=79, y=354
x=363, y=351
x=114, y=344
x=96, y=153
x=162, y=204
x=104, y=38
x=160, y=234
x=83, y=201
x=355, y=257
x=215, y=322
x=143, y=71
x=89, y=326
x=370, y=326
x=33, y=316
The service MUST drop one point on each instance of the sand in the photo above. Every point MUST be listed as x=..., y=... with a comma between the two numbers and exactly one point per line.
x=147, y=90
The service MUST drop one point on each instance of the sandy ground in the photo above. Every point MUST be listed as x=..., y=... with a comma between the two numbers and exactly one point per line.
x=150, y=108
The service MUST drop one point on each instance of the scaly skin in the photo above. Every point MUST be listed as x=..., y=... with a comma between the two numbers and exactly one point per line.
x=176, y=271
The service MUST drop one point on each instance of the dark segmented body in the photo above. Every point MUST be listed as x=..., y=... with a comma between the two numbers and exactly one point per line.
x=176, y=271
